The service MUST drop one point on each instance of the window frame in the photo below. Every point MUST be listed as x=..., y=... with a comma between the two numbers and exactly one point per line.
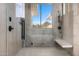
x=41, y=18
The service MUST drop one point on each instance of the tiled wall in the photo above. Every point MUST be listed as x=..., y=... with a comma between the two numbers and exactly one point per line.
x=10, y=43
x=37, y=37
x=76, y=30
x=2, y=29
x=40, y=38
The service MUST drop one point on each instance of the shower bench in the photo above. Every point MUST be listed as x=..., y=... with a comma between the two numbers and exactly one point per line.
x=63, y=43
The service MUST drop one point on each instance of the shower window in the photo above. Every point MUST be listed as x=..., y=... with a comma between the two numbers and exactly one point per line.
x=20, y=10
x=42, y=16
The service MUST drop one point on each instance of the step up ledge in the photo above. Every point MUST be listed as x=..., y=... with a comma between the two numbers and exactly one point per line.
x=63, y=43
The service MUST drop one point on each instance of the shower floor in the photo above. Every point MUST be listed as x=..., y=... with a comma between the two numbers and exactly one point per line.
x=42, y=51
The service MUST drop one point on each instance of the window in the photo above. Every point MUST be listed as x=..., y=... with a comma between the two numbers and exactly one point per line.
x=64, y=9
x=43, y=17
x=20, y=10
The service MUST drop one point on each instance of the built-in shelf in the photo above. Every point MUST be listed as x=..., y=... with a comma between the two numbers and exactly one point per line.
x=63, y=43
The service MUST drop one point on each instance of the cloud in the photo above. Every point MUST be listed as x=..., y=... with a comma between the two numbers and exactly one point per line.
x=49, y=17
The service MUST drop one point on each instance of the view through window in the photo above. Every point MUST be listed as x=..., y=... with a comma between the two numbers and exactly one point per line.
x=43, y=19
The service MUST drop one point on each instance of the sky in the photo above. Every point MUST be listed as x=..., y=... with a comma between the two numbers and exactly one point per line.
x=46, y=9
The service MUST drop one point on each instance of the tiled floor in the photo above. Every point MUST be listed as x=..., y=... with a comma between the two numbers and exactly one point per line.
x=42, y=51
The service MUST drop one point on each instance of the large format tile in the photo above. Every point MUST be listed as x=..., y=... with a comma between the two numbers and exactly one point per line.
x=42, y=51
